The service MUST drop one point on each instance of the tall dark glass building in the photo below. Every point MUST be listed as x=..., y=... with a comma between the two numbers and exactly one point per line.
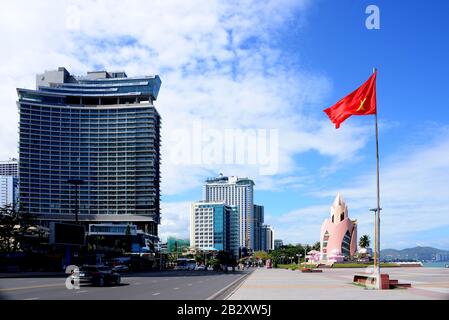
x=98, y=134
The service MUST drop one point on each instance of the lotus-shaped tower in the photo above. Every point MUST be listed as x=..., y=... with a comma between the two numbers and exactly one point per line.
x=339, y=233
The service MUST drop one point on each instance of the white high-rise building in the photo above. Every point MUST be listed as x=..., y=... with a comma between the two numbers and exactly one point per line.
x=8, y=183
x=8, y=190
x=214, y=226
x=238, y=192
x=9, y=168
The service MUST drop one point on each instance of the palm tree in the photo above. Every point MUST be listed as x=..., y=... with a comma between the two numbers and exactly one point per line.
x=364, y=241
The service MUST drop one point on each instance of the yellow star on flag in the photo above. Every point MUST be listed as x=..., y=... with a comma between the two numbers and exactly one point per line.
x=361, y=105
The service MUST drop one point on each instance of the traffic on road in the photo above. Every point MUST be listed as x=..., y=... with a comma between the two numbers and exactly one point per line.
x=104, y=283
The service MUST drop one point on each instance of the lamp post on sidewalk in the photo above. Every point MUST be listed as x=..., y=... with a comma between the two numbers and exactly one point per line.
x=76, y=183
x=376, y=244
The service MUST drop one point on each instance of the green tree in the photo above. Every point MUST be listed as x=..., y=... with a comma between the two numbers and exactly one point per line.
x=261, y=255
x=14, y=224
x=316, y=246
x=288, y=253
x=364, y=241
x=214, y=263
x=199, y=258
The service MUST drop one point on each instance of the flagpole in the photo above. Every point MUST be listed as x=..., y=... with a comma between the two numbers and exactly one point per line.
x=377, y=222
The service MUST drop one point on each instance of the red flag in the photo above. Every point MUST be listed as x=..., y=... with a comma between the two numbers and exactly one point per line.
x=361, y=102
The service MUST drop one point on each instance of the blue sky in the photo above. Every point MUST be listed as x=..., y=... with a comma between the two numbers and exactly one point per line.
x=268, y=65
x=412, y=60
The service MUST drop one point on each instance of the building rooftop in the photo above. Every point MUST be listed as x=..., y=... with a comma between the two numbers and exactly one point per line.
x=10, y=161
x=339, y=200
x=95, y=88
x=231, y=179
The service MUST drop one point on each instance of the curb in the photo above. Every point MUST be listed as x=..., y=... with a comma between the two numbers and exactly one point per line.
x=224, y=293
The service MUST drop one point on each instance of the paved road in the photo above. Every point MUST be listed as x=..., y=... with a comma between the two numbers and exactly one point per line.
x=269, y=284
x=166, y=285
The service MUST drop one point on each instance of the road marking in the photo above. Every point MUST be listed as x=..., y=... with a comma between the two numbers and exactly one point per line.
x=156, y=294
x=34, y=287
x=154, y=281
x=166, y=279
x=82, y=291
x=36, y=298
x=175, y=288
x=189, y=284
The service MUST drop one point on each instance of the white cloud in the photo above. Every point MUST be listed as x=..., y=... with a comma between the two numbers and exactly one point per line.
x=217, y=62
x=414, y=198
x=175, y=220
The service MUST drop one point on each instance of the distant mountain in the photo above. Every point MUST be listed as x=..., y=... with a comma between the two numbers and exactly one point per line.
x=416, y=253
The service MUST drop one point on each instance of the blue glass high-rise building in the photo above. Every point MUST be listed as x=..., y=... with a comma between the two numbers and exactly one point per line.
x=101, y=129
x=258, y=223
x=214, y=226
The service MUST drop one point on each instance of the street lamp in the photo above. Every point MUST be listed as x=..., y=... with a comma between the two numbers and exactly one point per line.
x=76, y=183
x=377, y=243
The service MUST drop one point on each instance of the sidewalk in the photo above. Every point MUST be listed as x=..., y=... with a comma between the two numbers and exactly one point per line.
x=336, y=284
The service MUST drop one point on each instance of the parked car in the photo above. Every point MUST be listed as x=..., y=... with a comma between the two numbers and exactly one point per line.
x=98, y=275
x=200, y=268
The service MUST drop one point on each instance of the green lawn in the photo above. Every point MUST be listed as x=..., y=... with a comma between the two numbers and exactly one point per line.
x=294, y=266
x=288, y=266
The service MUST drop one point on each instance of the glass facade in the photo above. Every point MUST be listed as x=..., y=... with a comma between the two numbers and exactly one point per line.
x=215, y=225
x=235, y=191
x=219, y=227
x=258, y=223
x=104, y=132
x=346, y=244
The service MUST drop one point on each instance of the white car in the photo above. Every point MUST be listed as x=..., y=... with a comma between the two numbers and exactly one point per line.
x=200, y=268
